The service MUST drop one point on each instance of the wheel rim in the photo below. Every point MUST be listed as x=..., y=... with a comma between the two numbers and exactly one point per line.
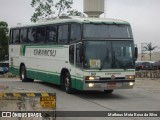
x=22, y=74
x=67, y=82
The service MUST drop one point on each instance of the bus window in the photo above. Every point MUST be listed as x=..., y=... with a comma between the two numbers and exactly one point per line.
x=71, y=54
x=23, y=35
x=79, y=55
x=15, y=36
x=31, y=34
x=51, y=34
x=75, y=32
x=63, y=34
x=40, y=34
x=106, y=31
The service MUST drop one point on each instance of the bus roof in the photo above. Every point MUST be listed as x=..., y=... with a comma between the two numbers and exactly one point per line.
x=76, y=19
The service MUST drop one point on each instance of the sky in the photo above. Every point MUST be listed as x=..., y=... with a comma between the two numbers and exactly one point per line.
x=143, y=15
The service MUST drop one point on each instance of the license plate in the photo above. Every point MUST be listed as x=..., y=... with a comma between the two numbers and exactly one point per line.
x=111, y=85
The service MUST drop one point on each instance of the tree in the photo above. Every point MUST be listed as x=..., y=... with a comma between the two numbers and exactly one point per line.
x=50, y=8
x=3, y=40
x=74, y=13
x=149, y=48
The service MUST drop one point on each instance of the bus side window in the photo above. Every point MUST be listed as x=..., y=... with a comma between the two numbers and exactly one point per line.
x=31, y=34
x=75, y=33
x=71, y=54
x=63, y=34
x=79, y=55
x=52, y=34
x=23, y=35
x=16, y=36
x=40, y=35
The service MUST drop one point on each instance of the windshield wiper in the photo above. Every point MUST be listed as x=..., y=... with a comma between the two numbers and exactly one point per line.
x=106, y=57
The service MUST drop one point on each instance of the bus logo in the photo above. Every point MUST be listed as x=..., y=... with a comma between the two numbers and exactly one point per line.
x=22, y=50
x=112, y=77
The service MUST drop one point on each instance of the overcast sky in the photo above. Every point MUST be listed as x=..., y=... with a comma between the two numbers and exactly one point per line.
x=143, y=15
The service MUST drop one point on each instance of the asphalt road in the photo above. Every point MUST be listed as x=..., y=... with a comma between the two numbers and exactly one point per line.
x=144, y=97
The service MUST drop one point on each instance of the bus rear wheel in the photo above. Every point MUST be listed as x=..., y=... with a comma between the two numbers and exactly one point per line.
x=23, y=75
x=67, y=83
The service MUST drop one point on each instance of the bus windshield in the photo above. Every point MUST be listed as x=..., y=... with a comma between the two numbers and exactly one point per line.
x=106, y=31
x=108, y=54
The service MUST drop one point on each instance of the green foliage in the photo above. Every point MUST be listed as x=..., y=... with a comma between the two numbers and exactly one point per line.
x=43, y=9
x=63, y=5
x=3, y=40
x=74, y=13
x=50, y=8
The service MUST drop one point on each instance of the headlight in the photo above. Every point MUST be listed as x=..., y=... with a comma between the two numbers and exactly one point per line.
x=92, y=78
x=130, y=76
x=131, y=83
x=91, y=84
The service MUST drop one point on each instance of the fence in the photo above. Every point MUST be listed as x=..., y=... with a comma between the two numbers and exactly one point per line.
x=148, y=74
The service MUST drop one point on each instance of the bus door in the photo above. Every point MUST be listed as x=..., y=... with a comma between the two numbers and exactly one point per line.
x=75, y=58
x=72, y=64
x=79, y=65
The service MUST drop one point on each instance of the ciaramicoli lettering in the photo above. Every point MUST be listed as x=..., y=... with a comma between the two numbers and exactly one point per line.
x=41, y=52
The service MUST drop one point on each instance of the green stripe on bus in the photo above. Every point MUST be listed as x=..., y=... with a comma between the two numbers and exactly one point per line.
x=49, y=72
x=22, y=50
x=51, y=77
x=44, y=71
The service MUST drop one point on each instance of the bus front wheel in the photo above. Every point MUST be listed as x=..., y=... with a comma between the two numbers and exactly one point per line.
x=23, y=76
x=67, y=83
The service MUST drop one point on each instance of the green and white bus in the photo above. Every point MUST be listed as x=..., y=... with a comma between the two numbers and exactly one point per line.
x=76, y=53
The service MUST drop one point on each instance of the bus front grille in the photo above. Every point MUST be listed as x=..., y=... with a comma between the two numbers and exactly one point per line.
x=116, y=78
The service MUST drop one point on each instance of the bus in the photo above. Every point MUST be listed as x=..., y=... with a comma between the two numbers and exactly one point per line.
x=76, y=53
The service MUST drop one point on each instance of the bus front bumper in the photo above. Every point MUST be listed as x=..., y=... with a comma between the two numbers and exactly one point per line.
x=109, y=85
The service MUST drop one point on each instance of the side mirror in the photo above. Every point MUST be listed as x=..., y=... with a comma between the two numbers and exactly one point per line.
x=136, y=53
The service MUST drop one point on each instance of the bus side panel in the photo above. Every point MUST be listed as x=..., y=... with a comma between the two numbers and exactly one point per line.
x=77, y=83
x=77, y=79
x=14, y=71
x=50, y=78
x=42, y=62
x=14, y=51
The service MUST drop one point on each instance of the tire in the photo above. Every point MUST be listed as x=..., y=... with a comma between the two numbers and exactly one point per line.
x=67, y=83
x=108, y=91
x=23, y=75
